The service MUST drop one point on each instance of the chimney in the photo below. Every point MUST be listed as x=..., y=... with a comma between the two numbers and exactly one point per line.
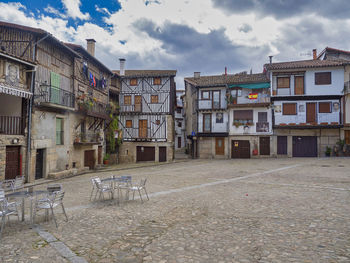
x=196, y=75
x=270, y=59
x=122, y=66
x=225, y=71
x=90, y=43
x=314, y=53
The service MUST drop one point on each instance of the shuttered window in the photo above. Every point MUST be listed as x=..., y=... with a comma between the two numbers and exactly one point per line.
x=243, y=115
x=133, y=82
x=324, y=107
x=128, y=124
x=157, y=81
x=347, y=137
x=323, y=78
x=154, y=98
x=262, y=116
x=55, y=88
x=299, y=85
x=59, y=131
x=127, y=100
x=289, y=109
x=283, y=83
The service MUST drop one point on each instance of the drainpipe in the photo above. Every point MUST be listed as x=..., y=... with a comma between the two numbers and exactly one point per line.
x=30, y=109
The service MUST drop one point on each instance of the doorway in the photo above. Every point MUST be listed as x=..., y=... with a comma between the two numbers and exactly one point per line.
x=12, y=168
x=219, y=146
x=39, y=164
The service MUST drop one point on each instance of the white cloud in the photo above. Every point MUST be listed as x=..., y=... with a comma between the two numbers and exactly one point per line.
x=73, y=9
x=102, y=10
x=54, y=11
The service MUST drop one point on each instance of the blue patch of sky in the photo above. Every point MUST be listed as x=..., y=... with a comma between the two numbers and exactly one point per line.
x=87, y=6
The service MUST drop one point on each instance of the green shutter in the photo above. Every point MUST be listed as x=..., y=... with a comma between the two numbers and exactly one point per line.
x=59, y=131
x=55, y=88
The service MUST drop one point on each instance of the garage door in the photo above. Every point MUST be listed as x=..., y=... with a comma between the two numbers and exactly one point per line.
x=145, y=153
x=240, y=149
x=304, y=146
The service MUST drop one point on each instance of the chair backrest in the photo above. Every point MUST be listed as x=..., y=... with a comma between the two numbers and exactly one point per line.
x=57, y=196
x=18, y=183
x=143, y=182
x=2, y=194
x=126, y=178
x=54, y=188
x=97, y=182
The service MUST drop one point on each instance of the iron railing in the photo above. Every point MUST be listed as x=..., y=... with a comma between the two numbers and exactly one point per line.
x=54, y=95
x=11, y=125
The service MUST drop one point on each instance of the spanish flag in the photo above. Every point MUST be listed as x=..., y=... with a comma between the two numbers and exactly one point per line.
x=253, y=96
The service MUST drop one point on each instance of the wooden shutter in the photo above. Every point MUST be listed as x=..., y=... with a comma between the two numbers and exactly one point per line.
x=128, y=124
x=289, y=108
x=243, y=115
x=324, y=107
x=262, y=116
x=323, y=78
x=154, y=98
x=299, y=85
x=59, y=131
x=127, y=100
x=311, y=112
x=143, y=128
x=55, y=88
x=138, y=100
x=347, y=137
x=133, y=82
x=157, y=81
x=283, y=83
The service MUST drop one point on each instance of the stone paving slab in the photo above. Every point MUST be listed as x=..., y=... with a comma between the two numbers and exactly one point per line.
x=204, y=211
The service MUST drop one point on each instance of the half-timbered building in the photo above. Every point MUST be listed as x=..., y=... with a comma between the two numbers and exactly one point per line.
x=147, y=103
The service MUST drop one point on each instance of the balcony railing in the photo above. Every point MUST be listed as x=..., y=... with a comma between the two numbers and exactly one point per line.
x=94, y=109
x=236, y=101
x=88, y=138
x=11, y=125
x=57, y=96
x=209, y=105
x=262, y=127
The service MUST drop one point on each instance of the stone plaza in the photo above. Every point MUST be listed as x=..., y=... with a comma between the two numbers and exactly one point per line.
x=262, y=210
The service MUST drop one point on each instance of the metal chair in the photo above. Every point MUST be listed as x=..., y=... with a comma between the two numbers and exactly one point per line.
x=94, y=188
x=6, y=210
x=122, y=183
x=139, y=188
x=18, y=183
x=49, y=203
x=6, y=184
x=54, y=188
x=102, y=188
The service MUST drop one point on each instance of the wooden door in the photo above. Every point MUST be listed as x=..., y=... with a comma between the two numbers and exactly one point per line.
x=178, y=142
x=39, y=164
x=99, y=155
x=240, y=149
x=89, y=159
x=282, y=145
x=311, y=112
x=220, y=146
x=299, y=85
x=304, y=146
x=12, y=162
x=145, y=153
x=142, y=128
x=138, y=103
x=162, y=154
x=264, y=145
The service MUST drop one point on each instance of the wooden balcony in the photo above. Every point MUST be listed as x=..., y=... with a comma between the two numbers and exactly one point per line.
x=261, y=101
x=95, y=109
x=12, y=125
x=55, y=97
x=88, y=138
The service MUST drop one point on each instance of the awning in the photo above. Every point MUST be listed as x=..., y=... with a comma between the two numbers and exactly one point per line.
x=14, y=92
x=261, y=85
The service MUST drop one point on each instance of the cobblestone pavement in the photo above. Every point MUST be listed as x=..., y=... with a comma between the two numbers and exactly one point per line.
x=264, y=210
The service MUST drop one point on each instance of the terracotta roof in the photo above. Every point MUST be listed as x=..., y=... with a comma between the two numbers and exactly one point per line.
x=313, y=63
x=79, y=48
x=218, y=80
x=146, y=73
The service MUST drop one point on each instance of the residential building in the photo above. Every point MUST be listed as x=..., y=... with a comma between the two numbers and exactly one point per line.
x=147, y=103
x=180, y=127
x=92, y=81
x=221, y=119
x=307, y=102
x=15, y=95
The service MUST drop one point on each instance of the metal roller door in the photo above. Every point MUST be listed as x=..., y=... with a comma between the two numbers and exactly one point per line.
x=304, y=146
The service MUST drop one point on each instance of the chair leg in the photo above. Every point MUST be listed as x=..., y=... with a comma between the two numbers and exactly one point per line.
x=92, y=191
x=140, y=195
x=146, y=193
x=64, y=212
x=96, y=194
x=2, y=225
x=34, y=216
x=54, y=218
x=133, y=195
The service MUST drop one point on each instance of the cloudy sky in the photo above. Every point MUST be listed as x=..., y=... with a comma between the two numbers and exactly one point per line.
x=191, y=35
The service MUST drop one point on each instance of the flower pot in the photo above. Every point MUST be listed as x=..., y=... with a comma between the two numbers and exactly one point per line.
x=255, y=152
x=105, y=162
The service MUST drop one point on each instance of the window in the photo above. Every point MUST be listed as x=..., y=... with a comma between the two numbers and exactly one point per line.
x=283, y=83
x=216, y=99
x=323, y=78
x=205, y=95
x=236, y=92
x=289, y=109
x=179, y=124
x=324, y=107
x=133, y=82
x=219, y=118
x=207, y=122
x=154, y=98
x=178, y=110
x=157, y=81
x=262, y=116
x=59, y=131
x=127, y=100
x=243, y=116
x=128, y=124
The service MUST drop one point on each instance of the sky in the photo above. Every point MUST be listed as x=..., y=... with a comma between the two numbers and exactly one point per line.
x=191, y=35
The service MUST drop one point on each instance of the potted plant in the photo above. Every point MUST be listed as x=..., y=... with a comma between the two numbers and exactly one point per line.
x=328, y=151
x=237, y=124
x=106, y=158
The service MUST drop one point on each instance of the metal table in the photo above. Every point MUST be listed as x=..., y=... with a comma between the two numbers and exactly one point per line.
x=122, y=179
x=27, y=194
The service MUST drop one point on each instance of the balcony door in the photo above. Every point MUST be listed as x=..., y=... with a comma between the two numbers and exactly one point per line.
x=138, y=103
x=216, y=99
x=142, y=128
x=299, y=85
x=55, y=88
x=311, y=112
